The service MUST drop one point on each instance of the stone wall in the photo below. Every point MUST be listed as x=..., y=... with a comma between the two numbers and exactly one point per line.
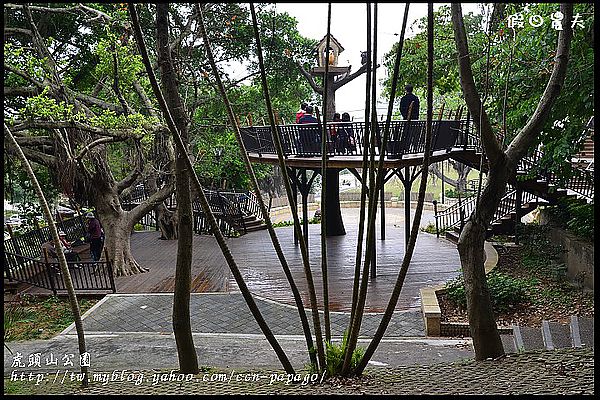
x=578, y=255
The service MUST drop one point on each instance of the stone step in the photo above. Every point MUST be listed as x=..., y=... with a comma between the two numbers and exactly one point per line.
x=532, y=338
x=508, y=343
x=547, y=336
x=586, y=331
x=452, y=236
x=256, y=228
x=561, y=335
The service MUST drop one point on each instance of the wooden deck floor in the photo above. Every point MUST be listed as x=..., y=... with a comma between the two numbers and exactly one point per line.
x=435, y=261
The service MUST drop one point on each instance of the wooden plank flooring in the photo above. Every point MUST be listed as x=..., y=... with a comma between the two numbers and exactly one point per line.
x=435, y=261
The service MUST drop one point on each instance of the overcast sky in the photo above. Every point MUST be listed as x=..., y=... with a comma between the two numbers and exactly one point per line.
x=348, y=26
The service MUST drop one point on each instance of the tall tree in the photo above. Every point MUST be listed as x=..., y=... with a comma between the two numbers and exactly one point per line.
x=188, y=362
x=75, y=130
x=502, y=166
x=200, y=191
x=62, y=261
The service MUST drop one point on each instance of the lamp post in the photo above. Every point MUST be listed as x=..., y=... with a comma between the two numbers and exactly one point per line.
x=218, y=152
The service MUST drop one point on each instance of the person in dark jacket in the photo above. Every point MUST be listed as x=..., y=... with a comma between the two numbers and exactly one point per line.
x=95, y=236
x=308, y=135
x=346, y=139
x=405, y=102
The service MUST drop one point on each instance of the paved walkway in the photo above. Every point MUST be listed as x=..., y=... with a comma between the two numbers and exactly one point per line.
x=225, y=313
x=566, y=371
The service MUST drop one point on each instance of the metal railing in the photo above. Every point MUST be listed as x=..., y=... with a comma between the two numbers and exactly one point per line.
x=85, y=275
x=457, y=214
x=28, y=244
x=580, y=182
x=347, y=138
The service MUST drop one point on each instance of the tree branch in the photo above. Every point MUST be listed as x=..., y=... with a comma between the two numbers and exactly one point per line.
x=525, y=138
x=492, y=148
x=309, y=78
x=117, y=133
x=34, y=140
x=21, y=91
x=95, y=143
x=34, y=155
x=156, y=198
x=349, y=78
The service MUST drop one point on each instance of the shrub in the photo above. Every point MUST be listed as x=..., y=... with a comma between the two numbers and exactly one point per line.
x=505, y=291
x=453, y=194
x=334, y=356
x=575, y=216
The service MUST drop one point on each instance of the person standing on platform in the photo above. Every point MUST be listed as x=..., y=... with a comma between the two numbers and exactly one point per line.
x=308, y=135
x=405, y=102
x=300, y=113
x=95, y=236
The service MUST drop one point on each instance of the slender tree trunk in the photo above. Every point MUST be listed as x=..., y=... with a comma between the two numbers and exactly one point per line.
x=292, y=201
x=502, y=165
x=62, y=261
x=387, y=316
x=363, y=197
x=486, y=339
x=188, y=361
x=202, y=197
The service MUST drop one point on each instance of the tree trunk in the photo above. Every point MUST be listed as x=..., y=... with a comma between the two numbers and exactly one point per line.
x=334, y=222
x=62, y=261
x=486, y=339
x=188, y=361
x=167, y=222
x=330, y=98
x=117, y=228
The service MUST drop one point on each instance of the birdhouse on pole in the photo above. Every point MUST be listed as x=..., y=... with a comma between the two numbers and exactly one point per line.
x=330, y=55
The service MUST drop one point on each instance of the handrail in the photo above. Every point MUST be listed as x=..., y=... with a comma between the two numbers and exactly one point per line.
x=346, y=138
x=453, y=216
x=90, y=275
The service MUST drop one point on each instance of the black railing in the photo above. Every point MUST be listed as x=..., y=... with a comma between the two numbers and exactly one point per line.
x=580, y=182
x=456, y=214
x=29, y=243
x=86, y=276
x=346, y=138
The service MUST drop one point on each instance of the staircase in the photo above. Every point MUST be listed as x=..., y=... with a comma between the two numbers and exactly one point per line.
x=235, y=212
x=544, y=188
x=550, y=336
x=453, y=218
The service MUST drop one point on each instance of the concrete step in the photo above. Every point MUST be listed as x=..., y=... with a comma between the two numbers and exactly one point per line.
x=586, y=331
x=452, y=236
x=508, y=343
x=256, y=228
x=532, y=338
x=561, y=335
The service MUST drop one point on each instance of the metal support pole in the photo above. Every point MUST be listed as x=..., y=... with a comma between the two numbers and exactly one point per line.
x=407, y=186
x=518, y=202
x=383, y=205
x=435, y=212
x=304, y=192
x=443, y=194
x=295, y=194
x=374, y=257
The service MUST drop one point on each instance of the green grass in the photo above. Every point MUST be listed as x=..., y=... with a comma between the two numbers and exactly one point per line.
x=39, y=318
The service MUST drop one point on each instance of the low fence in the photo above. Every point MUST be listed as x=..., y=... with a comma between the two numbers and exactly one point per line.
x=85, y=275
x=29, y=244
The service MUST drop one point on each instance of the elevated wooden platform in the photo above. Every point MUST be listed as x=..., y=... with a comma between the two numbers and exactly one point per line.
x=352, y=161
x=434, y=262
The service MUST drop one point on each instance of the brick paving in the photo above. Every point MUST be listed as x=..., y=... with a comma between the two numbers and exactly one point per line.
x=565, y=371
x=227, y=313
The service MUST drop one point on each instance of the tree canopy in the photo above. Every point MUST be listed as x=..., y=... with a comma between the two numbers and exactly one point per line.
x=523, y=78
